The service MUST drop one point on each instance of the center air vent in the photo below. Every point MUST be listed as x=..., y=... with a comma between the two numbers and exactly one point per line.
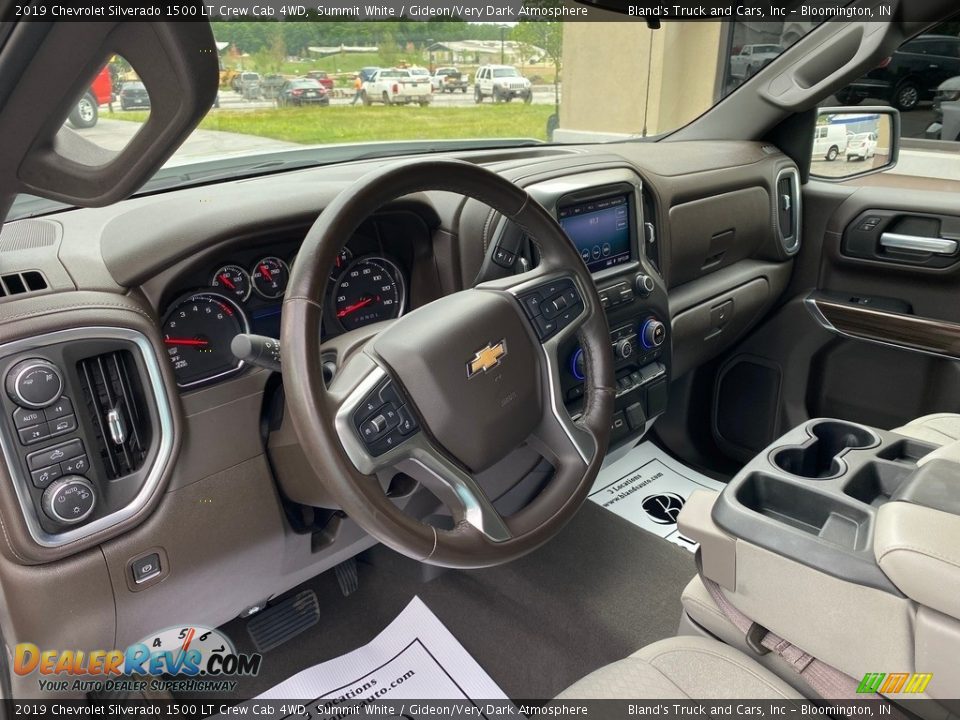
x=113, y=395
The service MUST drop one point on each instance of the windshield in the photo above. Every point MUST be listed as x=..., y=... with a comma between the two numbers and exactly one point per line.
x=582, y=82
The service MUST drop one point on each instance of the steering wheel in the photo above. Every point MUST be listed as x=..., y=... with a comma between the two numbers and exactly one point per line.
x=449, y=389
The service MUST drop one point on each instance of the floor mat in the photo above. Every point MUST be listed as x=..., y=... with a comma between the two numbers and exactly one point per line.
x=414, y=657
x=648, y=487
x=598, y=591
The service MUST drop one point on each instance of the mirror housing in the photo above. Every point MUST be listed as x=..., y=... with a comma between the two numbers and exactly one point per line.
x=852, y=142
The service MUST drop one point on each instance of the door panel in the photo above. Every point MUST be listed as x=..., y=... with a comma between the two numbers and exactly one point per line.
x=868, y=332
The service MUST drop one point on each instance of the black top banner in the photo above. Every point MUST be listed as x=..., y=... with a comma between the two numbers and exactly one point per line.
x=485, y=11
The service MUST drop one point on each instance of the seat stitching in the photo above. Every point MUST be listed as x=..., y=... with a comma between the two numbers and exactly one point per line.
x=719, y=656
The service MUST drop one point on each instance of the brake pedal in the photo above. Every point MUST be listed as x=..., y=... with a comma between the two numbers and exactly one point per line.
x=347, y=576
x=284, y=621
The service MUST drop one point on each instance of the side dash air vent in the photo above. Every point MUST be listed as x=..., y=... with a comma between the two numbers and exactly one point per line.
x=788, y=210
x=21, y=283
x=113, y=395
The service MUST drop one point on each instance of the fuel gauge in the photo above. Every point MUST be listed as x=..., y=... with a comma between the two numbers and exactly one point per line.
x=270, y=276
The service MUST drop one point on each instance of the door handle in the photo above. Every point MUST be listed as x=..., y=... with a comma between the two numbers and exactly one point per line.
x=917, y=243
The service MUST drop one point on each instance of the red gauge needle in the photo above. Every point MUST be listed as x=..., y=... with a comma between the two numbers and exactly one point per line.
x=266, y=272
x=226, y=281
x=356, y=306
x=186, y=341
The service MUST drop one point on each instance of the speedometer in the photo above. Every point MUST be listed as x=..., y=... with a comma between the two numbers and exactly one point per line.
x=369, y=290
x=197, y=331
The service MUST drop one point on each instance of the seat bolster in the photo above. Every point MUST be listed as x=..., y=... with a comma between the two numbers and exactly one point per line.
x=939, y=428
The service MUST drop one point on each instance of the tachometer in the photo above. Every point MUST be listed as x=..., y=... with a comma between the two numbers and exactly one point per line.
x=197, y=331
x=270, y=276
x=369, y=290
x=233, y=281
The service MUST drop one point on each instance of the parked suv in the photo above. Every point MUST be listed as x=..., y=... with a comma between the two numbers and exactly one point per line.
x=502, y=83
x=910, y=75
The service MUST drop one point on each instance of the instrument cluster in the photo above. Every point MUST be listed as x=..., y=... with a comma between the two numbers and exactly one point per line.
x=244, y=294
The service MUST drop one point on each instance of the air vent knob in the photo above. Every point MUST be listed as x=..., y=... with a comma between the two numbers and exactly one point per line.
x=34, y=383
x=69, y=500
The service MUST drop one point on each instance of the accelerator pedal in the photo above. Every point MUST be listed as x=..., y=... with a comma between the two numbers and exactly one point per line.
x=347, y=576
x=284, y=621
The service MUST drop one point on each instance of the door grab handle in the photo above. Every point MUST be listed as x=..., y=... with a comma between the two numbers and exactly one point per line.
x=917, y=243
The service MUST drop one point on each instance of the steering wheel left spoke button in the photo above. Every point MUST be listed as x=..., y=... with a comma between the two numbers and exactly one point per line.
x=552, y=307
x=382, y=420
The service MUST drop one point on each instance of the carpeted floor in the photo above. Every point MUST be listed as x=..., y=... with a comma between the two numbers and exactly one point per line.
x=597, y=592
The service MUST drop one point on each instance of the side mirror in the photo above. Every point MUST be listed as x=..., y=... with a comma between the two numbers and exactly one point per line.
x=853, y=141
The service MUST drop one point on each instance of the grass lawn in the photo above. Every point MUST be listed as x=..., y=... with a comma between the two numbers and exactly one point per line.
x=368, y=124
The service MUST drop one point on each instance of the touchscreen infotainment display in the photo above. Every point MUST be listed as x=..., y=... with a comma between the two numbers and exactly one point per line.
x=600, y=230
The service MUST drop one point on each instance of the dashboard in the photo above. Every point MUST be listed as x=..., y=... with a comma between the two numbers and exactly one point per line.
x=240, y=289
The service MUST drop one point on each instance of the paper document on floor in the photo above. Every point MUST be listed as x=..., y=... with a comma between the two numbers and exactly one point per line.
x=649, y=488
x=414, y=658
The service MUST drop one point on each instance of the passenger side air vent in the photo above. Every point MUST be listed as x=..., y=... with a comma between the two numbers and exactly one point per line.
x=651, y=244
x=788, y=210
x=21, y=283
x=113, y=395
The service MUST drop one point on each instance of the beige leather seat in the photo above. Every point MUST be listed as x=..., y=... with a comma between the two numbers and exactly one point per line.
x=939, y=428
x=682, y=667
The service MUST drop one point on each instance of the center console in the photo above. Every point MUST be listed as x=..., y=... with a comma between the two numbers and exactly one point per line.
x=602, y=212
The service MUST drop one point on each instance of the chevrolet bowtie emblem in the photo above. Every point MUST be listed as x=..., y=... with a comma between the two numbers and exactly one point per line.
x=487, y=359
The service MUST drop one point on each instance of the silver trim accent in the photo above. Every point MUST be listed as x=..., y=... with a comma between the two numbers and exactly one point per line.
x=38, y=362
x=917, y=243
x=796, y=209
x=163, y=432
x=460, y=487
x=810, y=302
x=254, y=285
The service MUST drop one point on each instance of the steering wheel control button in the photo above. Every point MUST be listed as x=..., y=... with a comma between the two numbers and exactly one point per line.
x=34, y=383
x=145, y=568
x=407, y=425
x=76, y=466
x=44, y=476
x=388, y=423
x=55, y=454
x=503, y=257
x=34, y=434
x=69, y=500
x=552, y=307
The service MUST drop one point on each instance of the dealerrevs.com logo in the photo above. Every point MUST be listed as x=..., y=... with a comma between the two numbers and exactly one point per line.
x=190, y=658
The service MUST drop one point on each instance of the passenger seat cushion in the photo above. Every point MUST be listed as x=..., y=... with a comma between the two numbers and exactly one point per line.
x=679, y=668
x=939, y=428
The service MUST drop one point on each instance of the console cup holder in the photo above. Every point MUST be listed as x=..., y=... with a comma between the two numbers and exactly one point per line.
x=820, y=457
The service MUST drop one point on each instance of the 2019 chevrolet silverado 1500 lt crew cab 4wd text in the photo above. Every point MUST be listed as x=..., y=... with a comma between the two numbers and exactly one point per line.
x=357, y=409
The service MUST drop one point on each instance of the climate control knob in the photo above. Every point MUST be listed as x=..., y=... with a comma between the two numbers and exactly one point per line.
x=624, y=348
x=643, y=285
x=653, y=334
x=69, y=500
x=34, y=383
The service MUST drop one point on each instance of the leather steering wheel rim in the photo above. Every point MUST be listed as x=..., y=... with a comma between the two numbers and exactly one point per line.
x=479, y=537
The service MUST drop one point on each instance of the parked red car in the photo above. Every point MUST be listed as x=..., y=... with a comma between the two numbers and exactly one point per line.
x=321, y=77
x=86, y=112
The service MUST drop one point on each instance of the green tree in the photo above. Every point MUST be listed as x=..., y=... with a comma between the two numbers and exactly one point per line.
x=548, y=36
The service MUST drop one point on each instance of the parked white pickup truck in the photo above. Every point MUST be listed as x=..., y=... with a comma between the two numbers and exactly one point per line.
x=751, y=58
x=449, y=79
x=397, y=86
